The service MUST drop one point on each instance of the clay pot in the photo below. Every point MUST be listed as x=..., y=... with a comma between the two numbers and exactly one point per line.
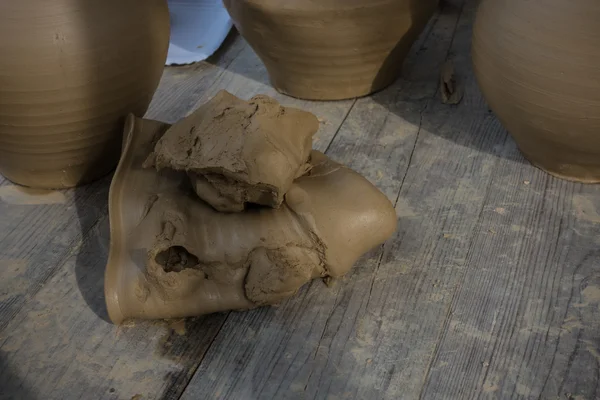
x=538, y=66
x=331, y=49
x=70, y=72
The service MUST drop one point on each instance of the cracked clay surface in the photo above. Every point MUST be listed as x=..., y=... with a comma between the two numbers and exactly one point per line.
x=239, y=152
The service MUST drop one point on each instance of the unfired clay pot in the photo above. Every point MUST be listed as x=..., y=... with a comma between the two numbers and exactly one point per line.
x=70, y=72
x=331, y=49
x=538, y=66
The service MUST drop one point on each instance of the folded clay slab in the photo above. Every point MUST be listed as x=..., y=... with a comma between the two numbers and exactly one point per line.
x=173, y=255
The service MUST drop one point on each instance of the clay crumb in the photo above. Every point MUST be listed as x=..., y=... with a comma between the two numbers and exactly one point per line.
x=451, y=88
x=178, y=326
x=490, y=387
x=329, y=281
x=176, y=259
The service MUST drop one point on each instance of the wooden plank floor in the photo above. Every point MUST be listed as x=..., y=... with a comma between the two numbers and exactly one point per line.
x=490, y=287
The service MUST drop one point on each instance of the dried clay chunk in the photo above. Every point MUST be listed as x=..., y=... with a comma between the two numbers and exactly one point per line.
x=237, y=152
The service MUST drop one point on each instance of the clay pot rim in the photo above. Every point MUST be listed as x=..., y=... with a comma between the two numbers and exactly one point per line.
x=113, y=273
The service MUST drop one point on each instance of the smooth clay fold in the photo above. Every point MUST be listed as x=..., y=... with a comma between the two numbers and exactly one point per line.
x=173, y=255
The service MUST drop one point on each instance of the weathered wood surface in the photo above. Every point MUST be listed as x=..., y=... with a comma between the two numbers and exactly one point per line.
x=524, y=321
x=489, y=289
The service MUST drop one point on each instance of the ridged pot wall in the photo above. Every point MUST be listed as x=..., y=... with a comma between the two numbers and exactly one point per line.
x=538, y=66
x=70, y=72
x=331, y=49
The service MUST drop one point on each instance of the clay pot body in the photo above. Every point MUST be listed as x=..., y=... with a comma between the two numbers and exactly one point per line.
x=70, y=72
x=331, y=49
x=538, y=66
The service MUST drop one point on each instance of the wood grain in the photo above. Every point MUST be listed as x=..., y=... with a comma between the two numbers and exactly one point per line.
x=60, y=348
x=38, y=233
x=524, y=321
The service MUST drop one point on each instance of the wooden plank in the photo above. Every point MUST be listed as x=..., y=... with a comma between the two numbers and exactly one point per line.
x=60, y=349
x=525, y=320
x=182, y=86
x=60, y=345
x=40, y=230
x=373, y=335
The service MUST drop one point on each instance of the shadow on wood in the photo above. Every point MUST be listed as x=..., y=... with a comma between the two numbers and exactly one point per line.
x=92, y=255
x=11, y=385
x=252, y=67
x=401, y=97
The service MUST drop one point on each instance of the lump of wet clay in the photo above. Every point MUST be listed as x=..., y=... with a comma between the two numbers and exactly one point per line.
x=237, y=152
x=173, y=255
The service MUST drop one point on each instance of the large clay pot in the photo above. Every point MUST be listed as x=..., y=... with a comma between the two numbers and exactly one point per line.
x=538, y=66
x=331, y=49
x=70, y=72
